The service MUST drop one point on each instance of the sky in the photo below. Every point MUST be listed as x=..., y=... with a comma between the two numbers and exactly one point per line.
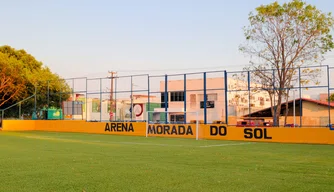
x=79, y=38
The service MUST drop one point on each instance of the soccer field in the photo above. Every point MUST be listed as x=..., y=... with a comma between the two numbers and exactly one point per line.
x=50, y=161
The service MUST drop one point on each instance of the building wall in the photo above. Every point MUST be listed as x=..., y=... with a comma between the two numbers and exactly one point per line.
x=315, y=114
x=238, y=102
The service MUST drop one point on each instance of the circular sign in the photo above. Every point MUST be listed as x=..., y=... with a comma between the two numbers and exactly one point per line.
x=138, y=109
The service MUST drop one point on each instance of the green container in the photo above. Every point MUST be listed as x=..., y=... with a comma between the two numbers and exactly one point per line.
x=55, y=114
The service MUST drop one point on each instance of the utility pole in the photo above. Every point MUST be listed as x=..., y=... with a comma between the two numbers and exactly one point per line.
x=112, y=73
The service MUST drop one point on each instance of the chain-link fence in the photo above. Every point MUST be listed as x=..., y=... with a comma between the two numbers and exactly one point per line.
x=263, y=97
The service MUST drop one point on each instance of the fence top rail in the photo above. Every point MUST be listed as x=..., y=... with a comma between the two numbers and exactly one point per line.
x=190, y=73
x=304, y=67
x=18, y=102
x=124, y=76
x=74, y=78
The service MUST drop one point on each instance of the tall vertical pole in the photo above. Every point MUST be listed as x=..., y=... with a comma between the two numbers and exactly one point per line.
x=148, y=108
x=86, y=101
x=166, y=98
x=226, y=95
x=274, y=91
x=131, y=96
x=73, y=89
x=185, y=98
x=300, y=99
x=115, y=92
x=111, y=93
x=73, y=99
x=205, y=98
x=329, y=101
x=20, y=110
x=294, y=109
x=48, y=96
x=35, y=100
x=100, y=99
x=249, y=96
x=2, y=118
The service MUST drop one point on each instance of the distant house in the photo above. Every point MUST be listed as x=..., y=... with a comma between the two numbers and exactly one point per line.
x=310, y=112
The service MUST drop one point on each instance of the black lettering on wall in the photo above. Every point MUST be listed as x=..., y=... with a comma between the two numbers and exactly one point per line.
x=130, y=128
x=119, y=127
x=266, y=134
x=182, y=130
x=248, y=133
x=107, y=128
x=170, y=130
x=174, y=130
x=159, y=129
x=189, y=130
x=215, y=130
x=257, y=133
x=166, y=129
x=151, y=130
x=113, y=127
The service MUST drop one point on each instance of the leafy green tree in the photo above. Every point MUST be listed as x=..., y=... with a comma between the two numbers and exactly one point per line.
x=331, y=98
x=283, y=38
x=12, y=81
x=49, y=86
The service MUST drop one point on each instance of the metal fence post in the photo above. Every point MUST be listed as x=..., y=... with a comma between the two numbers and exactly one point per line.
x=274, y=89
x=185, y=97
x=300, y=99
x=226, y=95
x=249, y=96
x=115, y=87
x=205, y=98
x=148, y=98
x=166, y=98
x=100, y=99
x=48, y=96
x=20, y=110
x=86, y=101
x=73, y=99
x=329, y=101
x=131, y=107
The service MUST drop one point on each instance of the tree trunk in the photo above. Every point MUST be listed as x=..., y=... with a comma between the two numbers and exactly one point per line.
x=286, y=108
x=278, y=108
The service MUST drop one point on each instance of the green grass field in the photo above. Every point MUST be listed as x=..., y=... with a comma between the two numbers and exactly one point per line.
x=43, y=161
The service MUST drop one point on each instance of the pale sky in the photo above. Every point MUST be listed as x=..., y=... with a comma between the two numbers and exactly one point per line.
x=89, y=38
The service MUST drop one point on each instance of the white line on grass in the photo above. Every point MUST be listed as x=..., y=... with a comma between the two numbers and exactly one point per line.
x=227, y=144
x=138, y=143
x=126, y=143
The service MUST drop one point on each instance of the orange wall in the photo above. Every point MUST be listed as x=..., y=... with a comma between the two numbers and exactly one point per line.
x=18, y=125
x=218, y=132
x=270, y=134
x=136, y=129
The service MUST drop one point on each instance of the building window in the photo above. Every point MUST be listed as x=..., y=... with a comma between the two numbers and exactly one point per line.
x=192, y=101
x=177, y=96
x=163, y=104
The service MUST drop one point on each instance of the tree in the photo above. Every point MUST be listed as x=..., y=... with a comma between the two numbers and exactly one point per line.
x=12, y=83
x=34, y=75
x=331, y=98
x=284, y=39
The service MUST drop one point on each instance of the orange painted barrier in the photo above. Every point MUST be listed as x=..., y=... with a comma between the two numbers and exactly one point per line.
x=270, y=134
x=113, y=128
x=18, y=125
x=212, y=131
